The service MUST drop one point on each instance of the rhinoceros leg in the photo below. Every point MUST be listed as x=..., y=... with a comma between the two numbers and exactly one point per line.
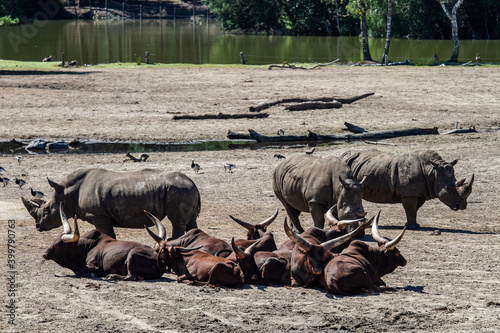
x=293, y=214
x=318, y=214
x=104, y=225
x=411, y=205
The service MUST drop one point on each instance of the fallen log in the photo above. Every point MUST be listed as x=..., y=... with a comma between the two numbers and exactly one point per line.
x=311, y=136
x=222, y=116
x=354, y=129
x=471, y=129
x=313, y=106
x=348, y=100
x=292, y=66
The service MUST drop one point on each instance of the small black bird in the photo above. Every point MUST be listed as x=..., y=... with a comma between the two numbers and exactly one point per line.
x=281, y=132
x=2, y=169
x=19, y=182
x=436, y=58
x=142, y=157
x=279, y=156
x=37, y=194
x=309, y=152
x=4, y=181
x=19, y=159
x=228, y=167
x=195, y=166
x=478, y=58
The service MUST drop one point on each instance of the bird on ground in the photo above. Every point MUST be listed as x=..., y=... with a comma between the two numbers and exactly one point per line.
x=4, y=181
x=279, y=156
x=19, y=182
x=37, y=194
x=195, y=166
x=19, y=159
x=228, y=167
x=309, y=152
x=142, y=157
x=2, y=169
x=281, y=132
x=436, y=58
x=478, y=58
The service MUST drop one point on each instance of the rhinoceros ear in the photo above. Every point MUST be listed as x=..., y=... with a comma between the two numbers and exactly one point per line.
x=58, y=188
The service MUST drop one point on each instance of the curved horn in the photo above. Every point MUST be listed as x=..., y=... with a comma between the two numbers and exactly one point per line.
x=249, y=249
x=244, y=224
x=304, y=244
x=460, y=182
x=375, y=234
x=328, y=245
x=368, y=223
x=162, y=232
x=342, y=224
x=392, y=244
x=156, y=238
x=264, y=224
x=465, y=189
x=329, y=215
x=237, y=251
x=68, y=236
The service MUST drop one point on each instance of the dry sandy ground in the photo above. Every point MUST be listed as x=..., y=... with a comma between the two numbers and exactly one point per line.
x=451, y=282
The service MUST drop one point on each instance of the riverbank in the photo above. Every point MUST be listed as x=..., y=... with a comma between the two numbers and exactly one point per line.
x=450, y=283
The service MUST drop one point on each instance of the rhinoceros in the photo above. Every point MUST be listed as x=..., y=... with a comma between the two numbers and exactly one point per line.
x=409, y=178
x=109, y=199
x=306, y=183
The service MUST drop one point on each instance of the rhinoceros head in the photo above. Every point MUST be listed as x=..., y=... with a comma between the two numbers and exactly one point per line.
x=445, y=185
x=46, y=213
x=349, y=200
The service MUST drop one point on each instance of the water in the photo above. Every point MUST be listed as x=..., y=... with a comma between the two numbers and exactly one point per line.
x=93, y=42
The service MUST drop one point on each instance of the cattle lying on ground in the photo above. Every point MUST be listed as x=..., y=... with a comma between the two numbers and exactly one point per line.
x=257, y=232
x=310, y=255
x=360, y=266
x=109, y=199
x=305, y=183
x=96, y=254
x=409, y=178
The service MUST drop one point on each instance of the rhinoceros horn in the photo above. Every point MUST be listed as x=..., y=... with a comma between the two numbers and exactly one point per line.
x=304, y=244
x=389, y=244
x=68, y=236
x=31, y=206
x=464, y=187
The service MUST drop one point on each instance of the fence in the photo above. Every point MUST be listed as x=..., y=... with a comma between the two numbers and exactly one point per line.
x=109, y=9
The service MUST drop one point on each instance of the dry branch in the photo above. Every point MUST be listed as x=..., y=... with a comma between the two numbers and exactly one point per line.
x=313, y=105
x=354, y=129
x=222, y=116
x=348, y=100
x=292, y=66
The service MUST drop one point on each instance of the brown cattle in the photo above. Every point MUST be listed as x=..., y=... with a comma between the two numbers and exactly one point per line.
x=359, y=268
x=257, y=232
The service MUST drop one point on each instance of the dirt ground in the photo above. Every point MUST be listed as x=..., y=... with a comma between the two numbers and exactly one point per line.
x=451, y=282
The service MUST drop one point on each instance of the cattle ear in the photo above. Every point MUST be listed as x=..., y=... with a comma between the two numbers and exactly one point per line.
x=454, y=162
x=58, y=188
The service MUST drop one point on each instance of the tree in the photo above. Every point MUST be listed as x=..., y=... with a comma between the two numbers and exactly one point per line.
x=452, y=16
x=385, y=56
x=359, y=8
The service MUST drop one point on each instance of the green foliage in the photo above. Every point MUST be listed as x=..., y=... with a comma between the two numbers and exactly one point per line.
x=7, y=20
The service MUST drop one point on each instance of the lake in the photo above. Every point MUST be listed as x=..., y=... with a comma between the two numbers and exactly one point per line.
x=204, y=42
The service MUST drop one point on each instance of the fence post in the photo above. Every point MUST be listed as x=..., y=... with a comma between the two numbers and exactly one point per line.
x=242, y=58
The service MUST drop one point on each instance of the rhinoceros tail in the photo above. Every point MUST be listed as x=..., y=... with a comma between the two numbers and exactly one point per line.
x=192, y=221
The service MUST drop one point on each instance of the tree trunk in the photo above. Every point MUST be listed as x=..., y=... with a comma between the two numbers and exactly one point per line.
x=364, y=32
x=454, y=26
x=385, y=56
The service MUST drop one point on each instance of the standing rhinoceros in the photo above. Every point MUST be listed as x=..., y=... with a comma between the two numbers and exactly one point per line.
x=409, y=178
x=109, y=199
x=306, y=183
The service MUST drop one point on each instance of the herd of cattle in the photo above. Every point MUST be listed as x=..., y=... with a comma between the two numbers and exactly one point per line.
x=330, y=188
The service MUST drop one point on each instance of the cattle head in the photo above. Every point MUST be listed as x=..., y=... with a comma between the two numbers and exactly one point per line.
x=341, y=227
x=246, y=260
x=391, y=258
x=65, y=250
x=169, y=257
x=46, y=213
x=308, y=258
x=445, y=185
x=349, y=199
x=256, y=231
x=162, y=232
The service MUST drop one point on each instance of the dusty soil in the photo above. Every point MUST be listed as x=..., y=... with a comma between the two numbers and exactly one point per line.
x=451, y=282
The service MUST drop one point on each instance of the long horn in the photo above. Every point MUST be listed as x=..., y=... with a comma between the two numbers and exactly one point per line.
x=157, y=238
x=368, y=223
x=329, y=215
x=460, y=182
x=465, y=189
x=239, y=254
x=328, y=245
x=304, y=244
x=375, y=233
x=249, y=249
x=244, y=224
x=31, y=207
x=264, y=224
x=392, y=244
x=162, y=232
x=68, y=236
x=342, y=224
